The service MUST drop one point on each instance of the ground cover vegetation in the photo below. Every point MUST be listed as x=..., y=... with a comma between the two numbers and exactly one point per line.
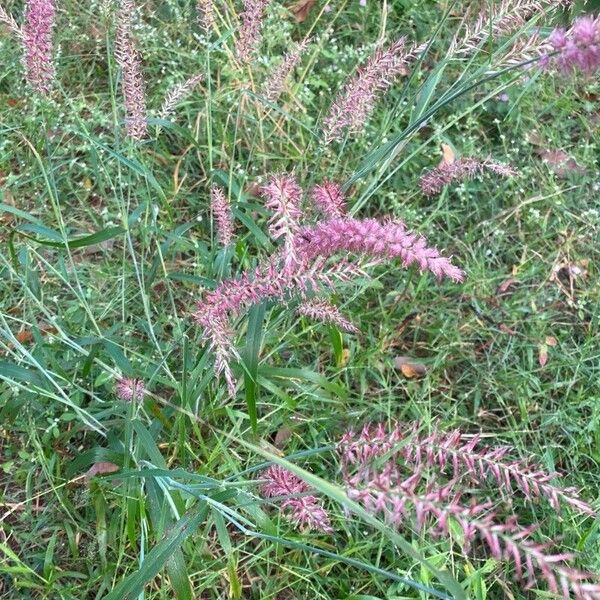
x=299, y=299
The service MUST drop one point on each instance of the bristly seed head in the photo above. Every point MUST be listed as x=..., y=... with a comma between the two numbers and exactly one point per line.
x=36, y=35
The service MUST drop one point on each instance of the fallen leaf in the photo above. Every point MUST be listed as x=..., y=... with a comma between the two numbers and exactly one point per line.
x=542, y=355
x=410, y=368
x=282, y=436
x=448, y=155
x=560, y=163
x=301, y=9
x=100, y=468
x=506, y=285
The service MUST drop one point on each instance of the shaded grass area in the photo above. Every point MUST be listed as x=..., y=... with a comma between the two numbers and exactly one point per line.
x=74, y=319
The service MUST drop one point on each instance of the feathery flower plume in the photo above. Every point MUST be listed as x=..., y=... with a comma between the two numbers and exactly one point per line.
x=283, y=197
x=36, y=35
x=275, y=83
x=321, y=310
x=249, y=37
x=578, y=48
x=130, y=389
x=304, y=510
x=177, y=93
x=356, y=101
x=302, y=266
x=10, y=22
x=389, y=239
x=222, y=212
x=501, y=19
x=373, y=465
x=329, y=198
x=399, y=500
x=275, y=279
x=435, y=180
x=128, y=58
x=206, y=15
x=450, y=452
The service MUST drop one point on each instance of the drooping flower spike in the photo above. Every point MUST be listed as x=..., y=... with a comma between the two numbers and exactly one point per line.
x=302, y=267
x=397, y=473
x=435, y=180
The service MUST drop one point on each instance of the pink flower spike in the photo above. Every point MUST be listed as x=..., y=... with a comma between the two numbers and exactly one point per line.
x=305, y=511
x=283, y=197
x=382, y=240
x=222, y=213
x=329, y=198
x=37, y=36
x=249, y=36
x=133, y=84
x=435, y=180
x=130, y=389
x=356, y=101
x=275, y=83
x=321, y=310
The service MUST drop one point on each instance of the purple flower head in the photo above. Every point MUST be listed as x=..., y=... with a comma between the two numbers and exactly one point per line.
x=37, y=36
x=329, y=198
x=222, y=213
x=130, y=389
x=386, y=240
x=249, y=36
x=305, y=510
x=578, y=49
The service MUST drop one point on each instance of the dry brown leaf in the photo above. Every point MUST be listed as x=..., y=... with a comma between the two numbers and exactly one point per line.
x=505, y=286
x=301, y=9
x=542, y=355
x=410, y=368
x=100, y=468
x=448, y=155
x=282, y=436
x=560, y=163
